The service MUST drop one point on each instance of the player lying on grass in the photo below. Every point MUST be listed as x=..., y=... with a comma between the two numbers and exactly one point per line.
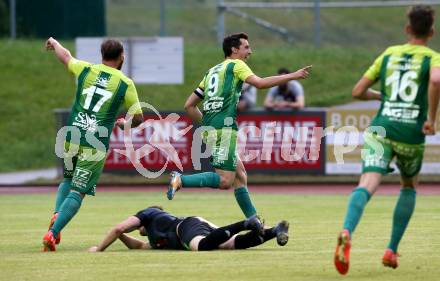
x=165, y=231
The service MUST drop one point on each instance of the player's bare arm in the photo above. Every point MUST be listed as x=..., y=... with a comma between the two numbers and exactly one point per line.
x=136, y=120
x=362, y=90
x=130, y=224
x=62, y=53
x=133, y=243
x=191, y=107
x=271, y=81
x=433, y=100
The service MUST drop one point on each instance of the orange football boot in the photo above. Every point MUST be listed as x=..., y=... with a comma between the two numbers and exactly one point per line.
x=52, y=221
x=49, y=242
x=342, y=253
x=389, y=259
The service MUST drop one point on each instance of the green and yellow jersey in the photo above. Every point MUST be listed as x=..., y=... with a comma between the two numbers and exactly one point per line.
x=403, y=72
x=101, y=90
x=220, y=90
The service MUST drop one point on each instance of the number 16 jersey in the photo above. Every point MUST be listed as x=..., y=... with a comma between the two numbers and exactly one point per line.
x=403, y=72
x=101, y=90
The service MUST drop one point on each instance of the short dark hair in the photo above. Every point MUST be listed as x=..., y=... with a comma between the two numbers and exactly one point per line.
x=111, y=49
x=283, y=70
x=421, y=19
x=156, y=207
x=233, y=41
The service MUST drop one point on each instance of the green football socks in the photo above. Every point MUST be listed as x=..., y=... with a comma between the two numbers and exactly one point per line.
x=63, y=191
x=402, y=214
x=67, y=211
x=207, y=179
x=211, y=179
x=358, y=199
x=244, y=201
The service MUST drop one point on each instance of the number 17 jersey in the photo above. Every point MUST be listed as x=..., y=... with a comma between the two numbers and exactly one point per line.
x=101, y=90
x=403, y=72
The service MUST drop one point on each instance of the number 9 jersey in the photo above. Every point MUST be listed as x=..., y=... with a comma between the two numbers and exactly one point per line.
x=403, y=72
x=101, y=90
x=220, y=89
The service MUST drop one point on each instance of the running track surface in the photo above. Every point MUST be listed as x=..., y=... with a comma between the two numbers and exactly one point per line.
x=304, y=189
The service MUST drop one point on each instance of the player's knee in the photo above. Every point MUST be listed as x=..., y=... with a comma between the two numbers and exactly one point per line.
x=242, y=178
x=239, y=182
x=224, y=186
x=370, y=181
x=409, y=182
x=225, y=183
x=80, y=193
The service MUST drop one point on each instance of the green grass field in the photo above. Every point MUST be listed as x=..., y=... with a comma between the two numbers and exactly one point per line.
x=308, y=255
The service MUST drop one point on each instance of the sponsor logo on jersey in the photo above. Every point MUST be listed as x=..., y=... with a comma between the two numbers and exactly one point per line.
x=86, y=122
x=213, y=105
x=401, y=112
x=101, y=81
x=404, y=63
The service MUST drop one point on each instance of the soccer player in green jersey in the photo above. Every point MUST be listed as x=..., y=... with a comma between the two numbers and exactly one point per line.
x=101, y=90
x=219, y=93
x=409, y=77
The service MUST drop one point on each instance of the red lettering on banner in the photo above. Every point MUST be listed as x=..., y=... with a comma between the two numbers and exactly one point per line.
x=293, y=142
x=155, y=133
x=266, y=142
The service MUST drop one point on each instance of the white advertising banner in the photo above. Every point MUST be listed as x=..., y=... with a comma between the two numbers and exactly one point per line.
x=339, y=122
x=148, y=60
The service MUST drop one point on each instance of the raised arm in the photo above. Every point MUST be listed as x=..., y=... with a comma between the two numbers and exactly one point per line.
x=130, y=224
x=62, y=53
x=267, y=82
x=433, y=100
x=363, y=91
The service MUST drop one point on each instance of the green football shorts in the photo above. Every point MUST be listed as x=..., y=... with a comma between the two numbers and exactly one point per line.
x=84, y=166
x=223, y=144
x=409, y=157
